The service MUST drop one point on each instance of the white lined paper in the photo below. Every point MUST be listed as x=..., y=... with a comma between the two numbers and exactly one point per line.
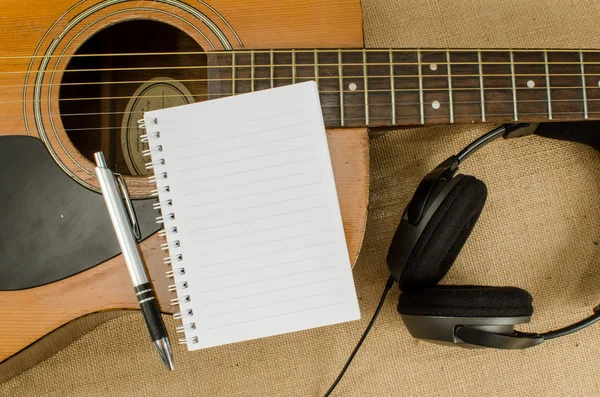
x=257, y=215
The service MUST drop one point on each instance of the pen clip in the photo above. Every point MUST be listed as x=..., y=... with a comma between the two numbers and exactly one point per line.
x=135, y=227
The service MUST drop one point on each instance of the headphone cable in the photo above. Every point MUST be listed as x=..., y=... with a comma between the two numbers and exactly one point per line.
x=573, y=327
x=388, y=286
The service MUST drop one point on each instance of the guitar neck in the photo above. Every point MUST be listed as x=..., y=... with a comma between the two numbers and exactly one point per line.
x=377, y=87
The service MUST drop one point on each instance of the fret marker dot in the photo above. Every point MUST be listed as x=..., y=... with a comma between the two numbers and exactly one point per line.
x=598, y=83
x=352, y=86
x=531, y=84
x=435, y=104
x=433, y=66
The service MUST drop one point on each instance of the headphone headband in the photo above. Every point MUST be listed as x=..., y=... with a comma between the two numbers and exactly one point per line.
x=506, y=131
x=446, y=169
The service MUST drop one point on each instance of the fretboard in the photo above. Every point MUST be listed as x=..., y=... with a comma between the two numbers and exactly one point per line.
x=376, y=87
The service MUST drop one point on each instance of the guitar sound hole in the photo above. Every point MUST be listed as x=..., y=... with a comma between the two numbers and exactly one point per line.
x=103, y=95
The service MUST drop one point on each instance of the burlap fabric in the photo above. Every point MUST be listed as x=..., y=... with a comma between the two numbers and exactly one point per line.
x=539, y=231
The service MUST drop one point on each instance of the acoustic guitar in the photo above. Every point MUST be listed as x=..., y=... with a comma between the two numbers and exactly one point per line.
x=76, y=75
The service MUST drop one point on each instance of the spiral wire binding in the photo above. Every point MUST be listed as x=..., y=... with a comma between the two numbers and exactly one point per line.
x=180, y=315
x=173, y=260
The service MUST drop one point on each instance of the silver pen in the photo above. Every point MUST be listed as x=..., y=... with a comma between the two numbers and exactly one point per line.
x=127, y=231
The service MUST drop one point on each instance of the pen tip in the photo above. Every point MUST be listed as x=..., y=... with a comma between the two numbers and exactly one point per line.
x=164, y=349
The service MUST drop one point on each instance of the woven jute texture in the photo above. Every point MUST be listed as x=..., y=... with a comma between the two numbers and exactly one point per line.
x=539, y=231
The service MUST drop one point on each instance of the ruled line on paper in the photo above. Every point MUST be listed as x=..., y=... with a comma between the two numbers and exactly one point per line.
x=256, y=206
x=249, y=183
x=195, y=155
x=256, y=219
x=187, y=144
x=263, y=255
x=252, y=170
x=267, y=242
x=278, y=315
x=274, y=303
x=271, y=291
x=320, y=269
x=268, y=267
x=278, y=115
x=253, y=194
x=259, y=230
x=247, y=158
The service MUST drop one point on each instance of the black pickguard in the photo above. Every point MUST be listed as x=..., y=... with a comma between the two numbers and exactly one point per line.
x=51, y=227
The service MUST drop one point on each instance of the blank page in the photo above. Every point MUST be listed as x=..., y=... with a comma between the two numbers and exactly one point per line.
x=256, y=240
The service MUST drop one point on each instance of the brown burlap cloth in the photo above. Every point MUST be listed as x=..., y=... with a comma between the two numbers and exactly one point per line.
x=538, y=231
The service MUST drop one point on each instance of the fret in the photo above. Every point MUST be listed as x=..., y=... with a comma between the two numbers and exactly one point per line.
x=450, y=104
x=434, y=82
x=233, y=73
x=548, y=95
x=341, y=88
x=252, y=70
x=514, y=87
x=243, y=72
x=293, y=66
x=393, y=94
x=272, y=67
x=282, y=68
x=365, y=86
x=565, y=85
x=219, y=74
x=592, y=82
x=583, y=86
x=498, y=95
x=421, y=112
x=354, y=89
x=530, y=82
x=481, y=89
x=263, y=71
x=406, y=87
x=380, y=108
x=467, y=90
x=316, y=66
x=327, y=75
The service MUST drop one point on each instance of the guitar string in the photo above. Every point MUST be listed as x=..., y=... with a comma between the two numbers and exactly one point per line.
x=386, y=104
x=358, y=78
x=248, y=66
x=399, y=104
x=387, y=119
x=474, y=116
x=427, y=51
x=348, y=92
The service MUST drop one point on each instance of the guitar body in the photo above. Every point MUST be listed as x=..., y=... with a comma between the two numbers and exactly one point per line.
x=38, y=59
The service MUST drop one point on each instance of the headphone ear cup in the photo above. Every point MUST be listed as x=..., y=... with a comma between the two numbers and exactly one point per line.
x=444, y=235
x=466, y=301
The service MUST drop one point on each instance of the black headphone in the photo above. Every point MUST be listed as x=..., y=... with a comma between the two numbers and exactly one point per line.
x=434, y=227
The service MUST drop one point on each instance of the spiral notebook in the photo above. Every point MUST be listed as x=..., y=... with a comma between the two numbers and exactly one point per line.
x=252, y=221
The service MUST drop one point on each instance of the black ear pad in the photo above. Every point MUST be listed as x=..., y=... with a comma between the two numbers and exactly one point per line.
x=466, y=301
x=444, y=235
